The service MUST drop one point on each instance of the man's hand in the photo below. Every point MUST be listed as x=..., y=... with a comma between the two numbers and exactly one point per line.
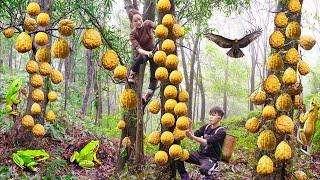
x=189, y=134
x=150, y=54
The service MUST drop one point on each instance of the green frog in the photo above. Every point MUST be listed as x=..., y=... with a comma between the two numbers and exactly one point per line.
x=29, y=158
x=12, y=96
x=87, y=155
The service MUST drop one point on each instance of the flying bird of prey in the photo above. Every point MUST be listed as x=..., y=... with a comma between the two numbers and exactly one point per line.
x=235, y=44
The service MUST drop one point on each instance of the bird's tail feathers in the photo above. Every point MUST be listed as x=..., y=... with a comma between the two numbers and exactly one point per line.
x=235, y=53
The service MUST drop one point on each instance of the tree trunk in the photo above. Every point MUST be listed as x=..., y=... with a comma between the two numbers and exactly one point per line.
x=10, y=56
x=253, y=55
x=89, y=82
x=108, y=96
x=2, y=56
x=60, y=64
x=97, y=98
x=184, y=64
x=195, y=106
x=225, y=95
x=203, y=98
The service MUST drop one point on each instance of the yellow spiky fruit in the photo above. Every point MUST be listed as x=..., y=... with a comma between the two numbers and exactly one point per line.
x=32, y=67
x=168, y=20
x=23, y=43
x=38, y=130
x=43, y=55
x=258, y=97
x=45, y=69
x=27, y=121
x=181, y=109
x=110, y=60
x=154, y=138
x=272, y=84
x=8, y=33
x=253, y=125
x=303, y=68
x=161, y=31
x=269, y=112
x=284, y=125
x=66, y=27
x=36, y=80
x=126, y=142
x=120, y=72
x=179, y=134
x=175, y=77
x=275, y=62
x=183, y=96
x=33, y=9
x=283, y=152
x=163, y=6
x=293, y=30
x=37, y=95
x=284, y=102
x=300, y=175
x=161, y=74
x=41, y=38
x=121, y=124
x=289, y=76
x=292, y=56
x=52, y=96
x=50, y=116
x=185, y=155
x=167, y=120
x=30, y=24
x=167, y=138
x=170, y=92
x=169, y=105
x=56, y=76
x=281, y=20
x=160, y=58
x=182, y=123
x=168, y=46
x=154, y=106
x=60, y=48
x=175, y=151
x=307, y=42
x=128, y=99
x=177, y=31
x=266, y=140
x=276, y=40
x=43, y=19
x=294, y=6
x=91, y=39
x=265, y=166
x=35, y=109
x=161, y=158
x=172, y=61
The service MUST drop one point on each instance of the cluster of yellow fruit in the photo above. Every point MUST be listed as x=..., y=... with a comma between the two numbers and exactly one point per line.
x=280, y=90
x=111, y=62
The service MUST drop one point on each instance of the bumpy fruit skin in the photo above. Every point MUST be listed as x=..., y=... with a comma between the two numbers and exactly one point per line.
x=56, y=77
x=23, y=43
x=185, y=155
x=154, y=106
x=27, y=121
x=303, y=68
x=272, y=84
x=169, y=105
x=292, y=56
x=179, y=134
x=37, y=95
x=175, y=77
x=43, y=19
x=163, y=6
x=50, y=116
x=293, y=30
x=307, y=42
x=300, y=175
x=126, y=142
x=161, y=31
x=33, y=9
x=161, y=158
x=294, y=6
x=283, y=152
x=177, y=31
x=60, y=48
x=41, y=38
x=284, y=125
x=168, y=46
x=289, y=76
x=168, y=20
x=30, y=24
x=52, y=96
x=160, y=58
x=281, y=20
x=167, y=120
x=253, y=125
x=182, y=123
x=258, y=97
x=45, y=69
x=43, y=55
x=32, y=67
x=35, y=109
x=161, y=74
x=66, y=27
x=120, y=72
x=154, y=138
x=91, y=39
x=36, y=80
x=121, y=124
x=266, y=140
x=8, y=33
x=175, y=151
x=275, y=62
x=276, y=40
x=128, y=99
x=38, y=130
x=269, y=112
x=172, y=61
x=170, y=92
x=181, y=109
x=183, y=96
x=167, y=138
x=110, y=60
x=265, y=166
x=284, y=102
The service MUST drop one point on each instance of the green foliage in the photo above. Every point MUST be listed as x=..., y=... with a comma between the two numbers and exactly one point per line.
x=108, y=126
x=53, y=169
x=5, y=172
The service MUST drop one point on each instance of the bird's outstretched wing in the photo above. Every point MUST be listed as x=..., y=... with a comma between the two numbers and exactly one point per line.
x=219, y=40
x=243, y=42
